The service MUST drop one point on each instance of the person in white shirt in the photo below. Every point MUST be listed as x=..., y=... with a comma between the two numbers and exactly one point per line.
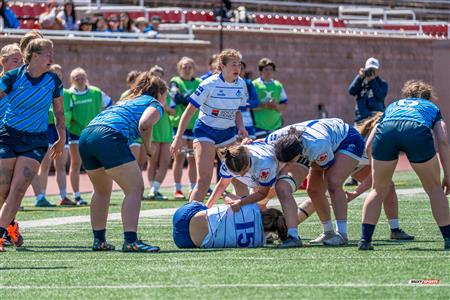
x=220, y=99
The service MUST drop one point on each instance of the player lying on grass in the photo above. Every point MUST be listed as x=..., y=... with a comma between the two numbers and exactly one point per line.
x=106, y=155
x=408, y=125
x=332, y=149
x=363, y=175
x=197, y=226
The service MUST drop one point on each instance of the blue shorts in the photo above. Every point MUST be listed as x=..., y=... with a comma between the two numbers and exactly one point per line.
x=15, y=143
x=218, y=137
x=251, y=132
x=103, y=147
x=187, y=135
x=413, y=138
x=73, y=138
x=353, y=145
x=181, y=220
x=53, y=135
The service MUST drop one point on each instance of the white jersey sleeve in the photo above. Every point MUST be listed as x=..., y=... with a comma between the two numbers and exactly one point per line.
x=201, y=94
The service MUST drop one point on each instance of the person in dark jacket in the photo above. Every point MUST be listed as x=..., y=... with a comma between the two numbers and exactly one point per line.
x=7, y=17
x=370, y=90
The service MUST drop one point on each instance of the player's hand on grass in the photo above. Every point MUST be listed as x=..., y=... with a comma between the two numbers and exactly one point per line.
x=57, y=149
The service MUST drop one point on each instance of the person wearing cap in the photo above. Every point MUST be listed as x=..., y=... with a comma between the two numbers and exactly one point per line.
x=370, y=90
x=273, y=100
x=141, y=24
x=85, y=24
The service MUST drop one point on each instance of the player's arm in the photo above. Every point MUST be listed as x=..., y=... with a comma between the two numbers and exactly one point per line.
x=150, y=116
x=219, y=189
x=440, y=133
x=260, y=193
x=60, y=122
x=242, y=132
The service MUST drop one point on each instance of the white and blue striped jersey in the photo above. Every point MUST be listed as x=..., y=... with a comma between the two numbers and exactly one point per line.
x=218, y=101
x=29, y=99
x=125, y=115
x=227, y=229
x=263, y=170
x=413, y=109
x=320, y=138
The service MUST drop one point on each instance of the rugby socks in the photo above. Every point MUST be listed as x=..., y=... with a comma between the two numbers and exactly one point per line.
x=40, y=196
x=341, y=227
x=394, y=224
x=178, y=186
x=155, y=187
x=130, y=236
x=327, y=226
x=445, y=231
x=77, y=195
x=192, y=187
x=100, y=235
x=293, y=233
x=367, y=232
x=63, y=193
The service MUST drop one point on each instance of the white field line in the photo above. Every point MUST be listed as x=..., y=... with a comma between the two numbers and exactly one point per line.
x=171, y=259
x=226, y=286
x=154, y=213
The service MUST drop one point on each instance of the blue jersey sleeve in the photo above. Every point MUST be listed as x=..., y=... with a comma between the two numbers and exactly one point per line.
x=7, y=81
x=58, y=91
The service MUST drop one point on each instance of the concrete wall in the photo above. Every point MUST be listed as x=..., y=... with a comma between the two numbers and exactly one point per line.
x=314, y=69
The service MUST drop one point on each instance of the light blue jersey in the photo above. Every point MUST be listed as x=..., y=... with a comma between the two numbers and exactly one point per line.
x=29, y=99
x=413, y=109
x=320, y=138
x=233, y=230
x=263, y=166
x=125, y=115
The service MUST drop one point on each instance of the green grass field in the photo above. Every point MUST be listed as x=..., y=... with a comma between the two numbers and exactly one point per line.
x=57, y=262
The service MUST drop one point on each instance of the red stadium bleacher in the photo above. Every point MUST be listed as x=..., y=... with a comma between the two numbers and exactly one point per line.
x=199, y=16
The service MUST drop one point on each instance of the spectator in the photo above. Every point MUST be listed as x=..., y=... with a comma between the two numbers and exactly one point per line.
x=48, y=19
x=113, y=23
x=101, y=25
x=142, y=25
x=85, y=24
x=7, y=17
x=154, y=26
x=87, y=101
x=240, y=15
x=67, y=17
x=369, y=89
x=221, y=10
x=273, y=99
x=126, y=25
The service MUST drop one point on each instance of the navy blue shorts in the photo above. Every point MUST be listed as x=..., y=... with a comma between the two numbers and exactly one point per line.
x=353, y=145
x=413, y=138
x=218, y=137
x=53, y=135
x=15, y=143
x=102, y=146
x=73, y=138
x=187, y=135
x=181, y=220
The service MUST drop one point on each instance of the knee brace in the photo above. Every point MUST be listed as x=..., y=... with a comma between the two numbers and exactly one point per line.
x=290, y=180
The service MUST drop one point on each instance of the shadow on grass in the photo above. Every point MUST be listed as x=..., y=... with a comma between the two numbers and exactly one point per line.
x=35, y=268
x=191, y=251
x=59, y=249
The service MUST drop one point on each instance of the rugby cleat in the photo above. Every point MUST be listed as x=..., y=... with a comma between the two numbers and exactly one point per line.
x=43, y=203
x=139, y=246
x=291, y=242
x=364, y=245
x=66, y=202
x=178, y=195
x=14, y=234
x=336, y=240
x=157, y=196
x=2, y=246
x=322, y=237
x=102, y=246
x=400, y=235
x=80, y=201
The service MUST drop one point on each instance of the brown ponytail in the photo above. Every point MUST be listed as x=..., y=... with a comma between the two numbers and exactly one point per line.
x=366, y=127
x=235, y=158
x=273, y=221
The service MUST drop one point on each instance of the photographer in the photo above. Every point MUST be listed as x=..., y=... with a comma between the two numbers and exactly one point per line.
x=369, y=89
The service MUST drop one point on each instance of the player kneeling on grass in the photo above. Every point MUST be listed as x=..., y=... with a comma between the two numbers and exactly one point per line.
x=363, y=174
x=106, y=155
x=408, y=125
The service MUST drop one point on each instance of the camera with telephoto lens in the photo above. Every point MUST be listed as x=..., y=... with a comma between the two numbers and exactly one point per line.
x=369, y=72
